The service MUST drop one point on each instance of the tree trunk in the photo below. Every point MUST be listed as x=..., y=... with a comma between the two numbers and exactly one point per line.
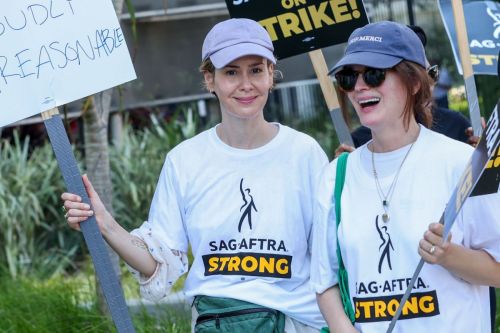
x=95, y=121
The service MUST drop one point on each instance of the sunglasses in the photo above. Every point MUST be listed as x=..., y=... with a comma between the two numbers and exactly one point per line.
x=433, y=73
x=373, y=77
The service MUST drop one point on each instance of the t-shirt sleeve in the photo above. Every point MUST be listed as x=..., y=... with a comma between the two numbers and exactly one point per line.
x=480, y=222
x=324, y=265
x=164, y=235
x=166, y=214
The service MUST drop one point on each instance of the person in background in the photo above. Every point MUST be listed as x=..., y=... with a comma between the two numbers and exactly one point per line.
x=240, y=195
x=396, y=186
x=441, y=88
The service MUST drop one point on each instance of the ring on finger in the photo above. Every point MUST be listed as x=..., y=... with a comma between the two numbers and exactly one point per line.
x=66, y=215
x=432, y=249
x=64, y=209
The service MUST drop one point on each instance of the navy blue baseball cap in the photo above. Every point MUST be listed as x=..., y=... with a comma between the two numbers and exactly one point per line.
x=382, y=45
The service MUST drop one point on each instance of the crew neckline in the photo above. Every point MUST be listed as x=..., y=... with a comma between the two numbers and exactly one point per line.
x=248, y=152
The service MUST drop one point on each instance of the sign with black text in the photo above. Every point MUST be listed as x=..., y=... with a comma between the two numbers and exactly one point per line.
x=482, y=20
x=56, y=51
x=300, y=26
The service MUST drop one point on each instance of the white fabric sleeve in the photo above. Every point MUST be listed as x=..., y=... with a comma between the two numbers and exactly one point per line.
x=171, y=264
x=165, y=236
x=480, y=222
x=324, y=264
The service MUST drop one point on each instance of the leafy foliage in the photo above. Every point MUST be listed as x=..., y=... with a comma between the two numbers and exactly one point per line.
x=137, y=164
x=34, y=236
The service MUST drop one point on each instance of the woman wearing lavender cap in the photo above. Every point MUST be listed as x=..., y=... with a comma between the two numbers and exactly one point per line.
x=396, y=187
x=240, y=195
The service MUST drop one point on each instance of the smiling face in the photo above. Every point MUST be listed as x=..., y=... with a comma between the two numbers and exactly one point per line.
x=242, y=87
x=380, y=107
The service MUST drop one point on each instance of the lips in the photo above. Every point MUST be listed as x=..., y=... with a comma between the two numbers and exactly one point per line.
x=246, y=100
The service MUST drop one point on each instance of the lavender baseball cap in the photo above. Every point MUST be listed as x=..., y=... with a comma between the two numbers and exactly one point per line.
x=235, y=38
x=382, y=45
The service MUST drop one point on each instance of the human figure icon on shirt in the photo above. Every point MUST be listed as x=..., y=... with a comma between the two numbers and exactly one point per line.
x=248, y=204
x=386, y=245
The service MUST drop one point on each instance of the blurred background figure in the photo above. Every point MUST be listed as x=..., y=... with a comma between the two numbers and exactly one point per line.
x=443, y=85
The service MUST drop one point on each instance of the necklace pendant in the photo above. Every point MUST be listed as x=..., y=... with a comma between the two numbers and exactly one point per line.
x=385, y=217
x=385, y=203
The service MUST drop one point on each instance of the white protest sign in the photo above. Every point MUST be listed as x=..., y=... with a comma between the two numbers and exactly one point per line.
x=56, y=51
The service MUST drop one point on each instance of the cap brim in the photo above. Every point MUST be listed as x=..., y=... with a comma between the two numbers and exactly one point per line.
x=368, y=59
x=226, y=55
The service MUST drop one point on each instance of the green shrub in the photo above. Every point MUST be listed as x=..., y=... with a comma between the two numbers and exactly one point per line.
x=136, y=165
x=34, y=236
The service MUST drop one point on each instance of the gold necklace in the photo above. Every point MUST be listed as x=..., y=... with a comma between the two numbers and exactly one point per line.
x=385, y=198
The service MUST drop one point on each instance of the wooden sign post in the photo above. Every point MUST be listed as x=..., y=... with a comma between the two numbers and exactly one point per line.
x=331, y=99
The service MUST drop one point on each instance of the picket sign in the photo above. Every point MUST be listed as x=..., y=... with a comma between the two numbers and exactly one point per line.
x=53, y=52
x=470, y=84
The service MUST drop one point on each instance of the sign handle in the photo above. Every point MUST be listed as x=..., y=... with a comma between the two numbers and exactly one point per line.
x=330, y=95
x=470, y=84
x=68, y=166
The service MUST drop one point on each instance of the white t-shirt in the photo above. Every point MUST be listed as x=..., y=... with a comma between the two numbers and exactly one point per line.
x=247, y=215
x=380, y=258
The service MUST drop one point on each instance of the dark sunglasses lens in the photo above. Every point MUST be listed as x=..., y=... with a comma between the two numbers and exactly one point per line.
x=346, y=79
x=374, y=77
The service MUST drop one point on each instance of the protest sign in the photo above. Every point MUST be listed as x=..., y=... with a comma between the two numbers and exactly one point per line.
x=56, y=51
x=482, y=19
x=299, y=26
x=53, y=52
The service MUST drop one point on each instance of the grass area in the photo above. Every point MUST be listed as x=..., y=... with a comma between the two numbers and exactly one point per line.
x=52, y=306
x=62, y=306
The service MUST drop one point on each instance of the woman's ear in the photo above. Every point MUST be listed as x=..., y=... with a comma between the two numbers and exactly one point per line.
x=416, y=88
x=271, y=74
x=209, y=81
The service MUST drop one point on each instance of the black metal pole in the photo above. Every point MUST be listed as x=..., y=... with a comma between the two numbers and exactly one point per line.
x=411, y=15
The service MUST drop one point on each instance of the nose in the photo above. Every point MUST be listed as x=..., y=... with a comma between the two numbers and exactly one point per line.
x=360, y=83
x=246, y=83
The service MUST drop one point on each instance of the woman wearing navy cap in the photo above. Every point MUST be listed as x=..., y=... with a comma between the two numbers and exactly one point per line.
x=240, y=195
x=395, y=186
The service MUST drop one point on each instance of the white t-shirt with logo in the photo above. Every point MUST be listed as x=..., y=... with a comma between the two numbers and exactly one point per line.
x=380, y=258
x=247, y=215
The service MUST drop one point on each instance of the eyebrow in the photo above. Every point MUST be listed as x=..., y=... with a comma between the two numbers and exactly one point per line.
x=252, y=65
